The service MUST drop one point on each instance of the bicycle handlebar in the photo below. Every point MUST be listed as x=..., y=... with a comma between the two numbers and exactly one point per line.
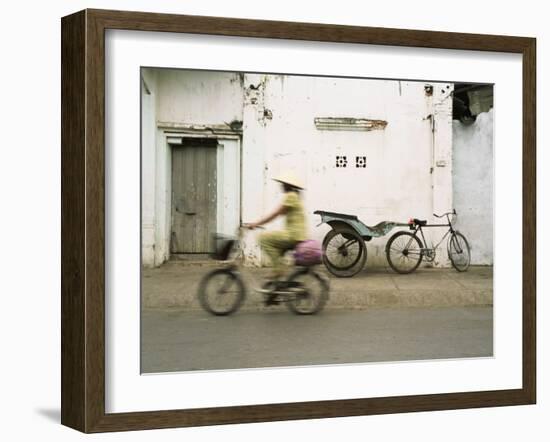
x=445, y=214
x=245, y=226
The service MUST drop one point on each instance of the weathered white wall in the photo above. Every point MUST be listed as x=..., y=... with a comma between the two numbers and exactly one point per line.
x=229, y=185
x=148, y=152
x=473, y=184
x=202, y=97
x=409, y=167
x=400, y=180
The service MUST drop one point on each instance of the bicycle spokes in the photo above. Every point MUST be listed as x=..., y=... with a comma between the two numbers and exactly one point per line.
x=459, y=252
x=342, y=252
x=221, y=292
x=404, y=252
x=456, y=247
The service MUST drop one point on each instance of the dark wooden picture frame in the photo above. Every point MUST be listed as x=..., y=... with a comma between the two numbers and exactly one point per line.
x=83, y=220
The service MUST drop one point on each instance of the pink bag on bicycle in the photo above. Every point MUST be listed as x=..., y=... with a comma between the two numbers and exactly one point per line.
x=308, y=253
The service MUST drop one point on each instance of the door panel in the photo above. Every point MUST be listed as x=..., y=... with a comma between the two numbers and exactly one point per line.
x=194, y=196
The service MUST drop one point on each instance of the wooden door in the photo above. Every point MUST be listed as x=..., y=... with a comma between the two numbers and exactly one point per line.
x=194, y=196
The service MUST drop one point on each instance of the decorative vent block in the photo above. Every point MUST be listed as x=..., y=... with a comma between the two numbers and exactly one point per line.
x=341, y=161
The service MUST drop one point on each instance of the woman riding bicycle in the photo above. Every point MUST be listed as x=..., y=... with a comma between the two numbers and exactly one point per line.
x=276, y=243
x=304, y=291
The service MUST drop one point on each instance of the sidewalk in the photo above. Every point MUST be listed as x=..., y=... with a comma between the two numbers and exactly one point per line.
x=175, y=284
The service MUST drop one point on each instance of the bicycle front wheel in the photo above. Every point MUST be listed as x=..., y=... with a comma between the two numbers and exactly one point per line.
x=404, y=252
x=459, y=252
x=221, y=292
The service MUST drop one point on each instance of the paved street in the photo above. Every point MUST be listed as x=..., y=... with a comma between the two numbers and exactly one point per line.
x=181, y=340
x=377, y=315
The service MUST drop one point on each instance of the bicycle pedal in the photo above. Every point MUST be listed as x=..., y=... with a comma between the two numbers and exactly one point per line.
x=271, y=301
x=265, y=291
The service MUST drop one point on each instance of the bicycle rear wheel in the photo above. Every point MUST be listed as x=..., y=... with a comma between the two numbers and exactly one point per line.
x=404, y=252
x=221, y=292
x=310, y=292
x=459, y=252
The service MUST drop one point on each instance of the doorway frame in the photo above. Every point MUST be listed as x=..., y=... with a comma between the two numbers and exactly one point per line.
x=169, y=135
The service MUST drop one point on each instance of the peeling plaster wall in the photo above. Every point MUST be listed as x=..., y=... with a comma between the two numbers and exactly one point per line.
x=408, y=161
x=473, y=184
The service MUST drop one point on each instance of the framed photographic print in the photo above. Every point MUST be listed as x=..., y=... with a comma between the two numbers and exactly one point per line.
x=270, y=220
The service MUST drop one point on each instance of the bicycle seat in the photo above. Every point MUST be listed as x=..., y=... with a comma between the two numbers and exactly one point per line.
x=419, y=222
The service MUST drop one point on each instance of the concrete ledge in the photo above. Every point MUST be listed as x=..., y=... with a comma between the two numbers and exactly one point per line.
x=411, y=298
x=175, y=285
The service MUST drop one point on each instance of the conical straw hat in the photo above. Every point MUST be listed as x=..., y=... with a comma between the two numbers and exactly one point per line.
x=290, y=179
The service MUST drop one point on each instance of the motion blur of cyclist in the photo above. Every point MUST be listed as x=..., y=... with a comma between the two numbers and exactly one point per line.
x=276, y=243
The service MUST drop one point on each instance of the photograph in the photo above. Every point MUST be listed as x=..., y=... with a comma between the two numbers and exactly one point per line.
x=292, y=220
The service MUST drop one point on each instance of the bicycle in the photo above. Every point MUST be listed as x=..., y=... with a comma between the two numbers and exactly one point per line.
x=405, y=250
x=222, y=291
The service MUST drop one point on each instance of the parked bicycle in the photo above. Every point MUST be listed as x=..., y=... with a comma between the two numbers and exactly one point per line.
x=405, y=250
x=222, y=291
